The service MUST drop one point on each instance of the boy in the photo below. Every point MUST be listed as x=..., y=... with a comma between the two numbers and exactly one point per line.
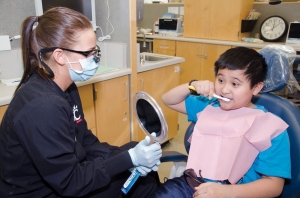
x=235, y=142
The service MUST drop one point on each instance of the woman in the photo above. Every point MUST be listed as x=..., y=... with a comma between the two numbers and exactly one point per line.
x=46, y=149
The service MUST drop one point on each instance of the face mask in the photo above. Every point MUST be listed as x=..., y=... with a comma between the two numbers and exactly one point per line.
x=89, y=68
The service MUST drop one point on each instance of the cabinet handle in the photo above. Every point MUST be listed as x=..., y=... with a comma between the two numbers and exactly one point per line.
x=94, y=94
x=142, y=83
x=178, y=69
x=201, y=56
x=211, y=31
x=126, y=87
x=204, y=51
x=164, y=47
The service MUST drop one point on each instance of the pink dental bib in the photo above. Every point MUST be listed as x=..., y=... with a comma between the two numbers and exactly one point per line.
x=224, y=144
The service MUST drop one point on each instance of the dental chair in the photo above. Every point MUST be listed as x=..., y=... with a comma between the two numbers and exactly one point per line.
x=275, y=104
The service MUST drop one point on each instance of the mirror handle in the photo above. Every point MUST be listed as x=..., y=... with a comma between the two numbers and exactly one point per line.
x=126, y=88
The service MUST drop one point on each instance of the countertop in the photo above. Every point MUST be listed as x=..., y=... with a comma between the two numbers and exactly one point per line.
x=210, y=41
x=6, y=92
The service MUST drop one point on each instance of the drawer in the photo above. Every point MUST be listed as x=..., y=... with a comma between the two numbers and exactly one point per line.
x=164, y=44
x=165, y=52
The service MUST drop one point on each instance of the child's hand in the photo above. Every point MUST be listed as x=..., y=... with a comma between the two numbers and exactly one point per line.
x=205, y=88
x=213, y=190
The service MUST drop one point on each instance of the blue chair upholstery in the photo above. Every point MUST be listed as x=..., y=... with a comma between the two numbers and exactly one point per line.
x=287, y=111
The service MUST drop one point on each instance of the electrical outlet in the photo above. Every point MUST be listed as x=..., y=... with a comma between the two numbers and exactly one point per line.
x=4, y=43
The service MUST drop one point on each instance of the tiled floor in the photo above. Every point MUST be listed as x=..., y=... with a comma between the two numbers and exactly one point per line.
x=176, y=144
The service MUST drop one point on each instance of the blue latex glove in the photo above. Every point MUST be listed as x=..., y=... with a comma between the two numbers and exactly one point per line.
x=144, y=154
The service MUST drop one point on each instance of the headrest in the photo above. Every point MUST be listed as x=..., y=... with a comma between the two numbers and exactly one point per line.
x=280, y=59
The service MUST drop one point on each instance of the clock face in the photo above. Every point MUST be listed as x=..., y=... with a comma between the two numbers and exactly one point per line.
x=273, y=28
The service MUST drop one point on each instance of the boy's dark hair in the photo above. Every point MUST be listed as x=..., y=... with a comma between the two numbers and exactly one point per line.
x=240, y=58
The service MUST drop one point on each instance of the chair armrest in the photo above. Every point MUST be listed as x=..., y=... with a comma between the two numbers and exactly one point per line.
x=173, y=156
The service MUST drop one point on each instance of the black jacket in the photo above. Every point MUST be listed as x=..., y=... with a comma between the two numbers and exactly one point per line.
x=46, y=149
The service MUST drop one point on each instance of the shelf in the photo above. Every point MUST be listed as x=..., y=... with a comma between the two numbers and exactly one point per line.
x=164, y=3
x=262, y=3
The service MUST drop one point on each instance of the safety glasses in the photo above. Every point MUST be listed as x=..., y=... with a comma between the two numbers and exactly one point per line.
x=192, y=179
x=94, y=52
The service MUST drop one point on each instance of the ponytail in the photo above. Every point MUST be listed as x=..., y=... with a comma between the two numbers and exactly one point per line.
x=30, y=61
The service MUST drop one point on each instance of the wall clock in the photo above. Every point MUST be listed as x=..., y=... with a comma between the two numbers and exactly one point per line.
x=273, y=28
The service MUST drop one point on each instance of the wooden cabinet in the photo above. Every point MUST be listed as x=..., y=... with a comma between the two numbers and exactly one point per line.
x=215, y=19
x=112, y=111
x=166, y=47
x=157, y=82
x=2, y=111
x=199, y=60
x=87, y=100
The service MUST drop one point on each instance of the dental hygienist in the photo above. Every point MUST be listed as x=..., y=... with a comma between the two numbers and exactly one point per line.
x=46, y=149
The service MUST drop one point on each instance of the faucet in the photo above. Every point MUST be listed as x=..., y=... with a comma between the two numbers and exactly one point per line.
x=144, y=42
x=142, y=58
x=143, y=32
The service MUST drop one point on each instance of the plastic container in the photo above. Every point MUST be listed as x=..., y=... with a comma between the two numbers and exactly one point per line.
x=156, y=27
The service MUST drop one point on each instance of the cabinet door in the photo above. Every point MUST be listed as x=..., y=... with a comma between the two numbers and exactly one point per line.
x=199, y=60
x=87, y=100
x=191, y=67
x=2, y=111
x=171, y=80
x=225, y=19
x=156, y=83
x=212, y=53
x=112, y=111
x=150, y=82
x=216, y=19
x=196, y=18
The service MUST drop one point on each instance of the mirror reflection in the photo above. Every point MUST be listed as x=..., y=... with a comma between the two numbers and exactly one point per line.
x=150, y=116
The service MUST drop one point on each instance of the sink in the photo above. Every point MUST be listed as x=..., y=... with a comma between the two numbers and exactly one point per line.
x=155, y=58
x=148, y=61
x=150, y=58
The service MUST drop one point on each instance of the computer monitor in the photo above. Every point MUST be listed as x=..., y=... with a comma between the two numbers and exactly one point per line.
x=86, y=7
x=293, y=35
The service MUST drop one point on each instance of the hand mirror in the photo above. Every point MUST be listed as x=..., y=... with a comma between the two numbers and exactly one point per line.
x=150, y=116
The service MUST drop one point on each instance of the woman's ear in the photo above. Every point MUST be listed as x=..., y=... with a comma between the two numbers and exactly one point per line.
x=59, y=56
x=257, y=88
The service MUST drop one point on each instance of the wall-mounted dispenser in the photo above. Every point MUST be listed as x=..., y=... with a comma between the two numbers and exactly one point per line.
x=139, y=11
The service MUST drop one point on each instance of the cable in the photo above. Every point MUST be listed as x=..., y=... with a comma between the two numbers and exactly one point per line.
x=107, y=36
x=14, y=37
